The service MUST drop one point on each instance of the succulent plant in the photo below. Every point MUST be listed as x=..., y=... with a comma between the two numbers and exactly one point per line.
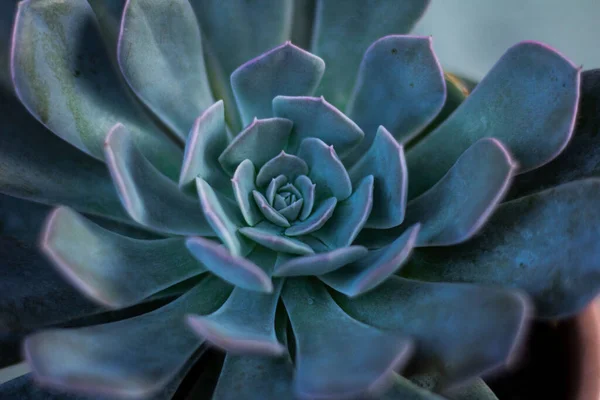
x=328, y=211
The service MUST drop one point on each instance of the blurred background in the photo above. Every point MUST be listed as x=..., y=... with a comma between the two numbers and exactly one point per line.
x=470, y=35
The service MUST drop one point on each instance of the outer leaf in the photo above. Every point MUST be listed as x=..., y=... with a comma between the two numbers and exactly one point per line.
x=206, y=141
x=529, y=79
x=149, y=197
x=174, y=85
x=286, y=70
x=324, y=333
x=272, y=237
x=453, y=325
x=113, y=359
x=372, y=270
x=321, y=263
x=239, y=271
x=545, y=244
x=341, y=35
x=400, y=85
x=101, y=263
x=314, y=117
x=243, y=186
x=245, y=324
x=7, y=14
x=66, y=80
x=385, y=161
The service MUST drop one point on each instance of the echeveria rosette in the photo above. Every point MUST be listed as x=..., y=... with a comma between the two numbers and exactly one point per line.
x=290, y=230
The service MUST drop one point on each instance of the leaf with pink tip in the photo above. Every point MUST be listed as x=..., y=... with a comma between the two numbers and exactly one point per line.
x=283, y=164
x=321, y=263
x=272, y=237
x=316, y=220
x=243, y=187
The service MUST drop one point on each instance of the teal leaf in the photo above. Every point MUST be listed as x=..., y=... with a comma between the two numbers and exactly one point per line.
x=149, y=197
x=285, y=70
x=108, y=14
x=529, y=79
x=349, y=217
x=68, y=240
x=545, y=244
x=315, y=117
x=243, y=186
x=174, y=85
x=262, y=140
x=436, y=316
x=477, y=390
x=206, y=141
x=274, y=186
x=304, y=11
x=326, y=170
x=372, y=270
x=65, y=78
x=272, y=237
x=316, y=220
x=307, y=192
x=403, y=389
x=385, y=161
x=321, y=263
x=224, y=218
x=113, y=359
x=325, y=368
x=292, y=211
x=283, y=164
x=341, y=35
x=400, y=85
x=245, y=324
x=239, y=271
x=268, y=211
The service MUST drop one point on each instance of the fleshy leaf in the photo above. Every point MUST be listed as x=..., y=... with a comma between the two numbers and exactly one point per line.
x=316, y=220
x=243, y=186
x=304, y=11
x=529, y=79
x=113, y=359
x=315, y=117
x=326, y=170
x=252, y=29
x=341, y=35
x=224, y=218
x=149, y=197
x=545, y=244
x=373, y=269
x=285, y=70
x=307, y=191
x=65, y=78
x=239, y=271
x=268, y=211
x=69, y=240
x=476, y=390
x=403, y=389
x=349, y=217
x=174, y=85
x=292, y=211
x=456, y=208
x=431, y=313
x=274, y=186
x=245, y=324
x=325, y=368
x=283, y=164
x=262, y=140
x=206, y=141
x=385, y=161
x=272, y=237
x=321, y=263
x=400, y=85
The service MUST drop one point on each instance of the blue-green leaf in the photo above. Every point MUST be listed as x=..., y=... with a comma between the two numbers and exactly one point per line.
x=268, y=211
x=285, y=70
x=341, y=35
x=385, y=161
x=262, y=140
x=372, y=270
x=100, y=263
x=149, y=197
x=403, y=389
x=315, y=117
x=238, y=271
x=292, y=211
x=174, y=84
x=545, y=244
x=316, y=220
x=349, y=217
x=114, y=358
x=325, y=368
x=65, y=78
x=272, y=237
x=307, y=191
x=245, y=324
x=326, y=170
x=283, y=164
x=400, y=85
x=477, y=390
x=529, y=80
x=321, y=263
x=243, y=186
x=206, y=141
